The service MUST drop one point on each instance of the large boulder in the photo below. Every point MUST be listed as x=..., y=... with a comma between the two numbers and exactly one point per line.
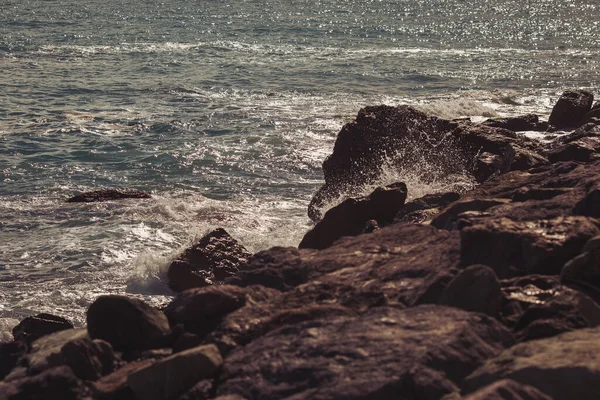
x=89, y=359
x=350, y=217
x=33, y=328
x=126, y=323
x=570, y=109
x=212, y=259
x=563, y=367
x=109, y=194
x=422, y=352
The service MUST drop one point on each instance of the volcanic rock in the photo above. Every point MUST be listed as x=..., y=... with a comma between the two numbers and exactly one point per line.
x=126, y=323
x=212, y=259
x=109, y=194
x=350, y=217
x=33, y=328
x=563, y=367
x=570, y=109
x=424, y=351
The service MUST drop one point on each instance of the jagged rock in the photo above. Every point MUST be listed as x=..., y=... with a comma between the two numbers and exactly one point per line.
x=421, y=209
x=350, y=217
x=200, y=309
x=524, y=247
x=563, y=367
x=383, y=353
x=10, y=353
x=570, y=109
x=33, y=328
x=45, y=353
x=126, y=322
x=507, y=389
x=212, y=259
x=109, y=194
x=174, y=375
x=586, y=266
x=448, y=218
x=55, y=383
x=527, y=122
x=89, y=359
x=476, y=289
x=114, y=386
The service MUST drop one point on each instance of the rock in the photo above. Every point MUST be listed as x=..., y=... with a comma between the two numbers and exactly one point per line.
x=590, y=204
x=45, y=353
x=10, y=353
x=507, y=389
x=200, y=391
x=114, y=386
x=421, y=209
x=570, y=109
x=527, y=122
x=585, y=267
x=108, y=195
x=423, y=351
x=33, y=328
x=186, y=341
x=89, y=359
x=212, y=259
x=476, y=289
x=173, y=376
x=350, y=217
x=55, y=383
x=516, y=248
x=563, y=367
x=201, y=308
x=126, y=322
x=448, y=218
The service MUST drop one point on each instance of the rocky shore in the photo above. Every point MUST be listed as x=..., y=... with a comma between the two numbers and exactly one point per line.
x=487, y=294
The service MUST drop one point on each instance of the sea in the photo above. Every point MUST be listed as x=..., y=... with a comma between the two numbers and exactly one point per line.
x=224, y=110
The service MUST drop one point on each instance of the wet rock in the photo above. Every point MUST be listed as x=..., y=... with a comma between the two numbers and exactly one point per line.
x=527, y=122
x=114, y=386
x=570, y=109
x=423, y=208
x=55, y=383
x=563, y=367
x=33, y=328
x=173, y=376
x=10, y=353
x=476, y=289
x=384, y=353
x=514, y=248
x=108, y=195
x=448, y=218
x=585, y=267
x=126, y=322
x=350, y=217
x=507, y=389
x=45, y=353
x=212, y=259
x=89, y=359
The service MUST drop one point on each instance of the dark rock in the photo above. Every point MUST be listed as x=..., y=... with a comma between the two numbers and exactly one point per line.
x=424, y=351
x=476, y=289
x=527, y=122
x=186, y=341
x=585, y=267
x=202, y=390
x=585, y=148
x=448, y=218
x=212, y=259
x=89, y=359
x=56, y=383
x=507, y=389
x=10, y=353
x=114, y=386
x=516, y=248
x=563, y=367
x=33, y=328
x=126, y=322
x=423, y=208
x=590, y=204
x=350, y=217
x=109, y=194
x=173, y=376
x=570, y=109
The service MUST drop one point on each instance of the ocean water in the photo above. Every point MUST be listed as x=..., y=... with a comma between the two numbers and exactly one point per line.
x=224, y=110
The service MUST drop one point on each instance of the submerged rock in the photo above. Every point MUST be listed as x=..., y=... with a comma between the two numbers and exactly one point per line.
x=212, y=259
x=109, y=194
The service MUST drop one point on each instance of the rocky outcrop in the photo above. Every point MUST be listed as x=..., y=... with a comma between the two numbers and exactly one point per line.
x=33, y=328
x=570, y=109
x=108, y=195
x=527, y=122
x=212, y=259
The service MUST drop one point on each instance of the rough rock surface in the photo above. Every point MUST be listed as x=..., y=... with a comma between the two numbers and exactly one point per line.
x=507, y=389
x=527, y=122
x=109, y=194
x=212, y=259
x=89, y=359
x=55, y=383
x=570, y=109
x=33, y=328
x=424, y=351
x=476, y=289
x=126, y=323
